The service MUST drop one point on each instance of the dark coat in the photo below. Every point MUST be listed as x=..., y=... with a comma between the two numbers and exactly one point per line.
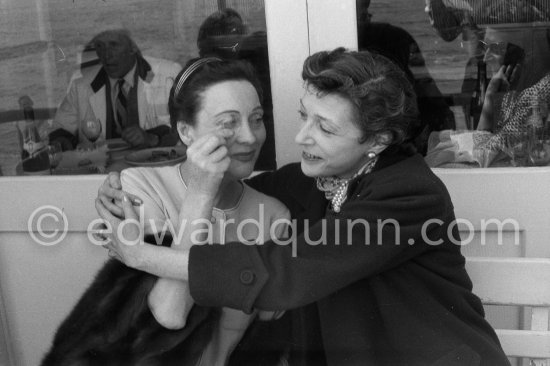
x=400, y=300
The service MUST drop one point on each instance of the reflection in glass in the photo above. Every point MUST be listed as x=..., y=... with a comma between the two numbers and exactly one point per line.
x=493, y=52
x=51, y=48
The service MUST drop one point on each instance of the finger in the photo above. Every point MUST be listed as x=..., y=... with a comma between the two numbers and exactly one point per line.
x=128, y=130
x=508, y=71
x=515, y=72
x=219, y=154
x=134, y=139
x=129, y=139
x=207, y=144
x=111, y=206
x=105, y=214
x=129, y=212
x=135, y=134
x=112, y=190
x=113, y=180
x=118, y=195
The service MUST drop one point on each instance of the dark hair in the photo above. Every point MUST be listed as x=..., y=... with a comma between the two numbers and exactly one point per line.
x=221, y=34
x=381, y=92
x=390, y=41
x=186, y=100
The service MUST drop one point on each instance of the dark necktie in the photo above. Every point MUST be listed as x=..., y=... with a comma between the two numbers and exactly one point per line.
x=121, y=105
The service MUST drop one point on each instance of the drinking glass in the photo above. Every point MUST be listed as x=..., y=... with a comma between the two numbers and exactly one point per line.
x=539, y=149
x=55, y=155
x=515, y=145
x=91, y=128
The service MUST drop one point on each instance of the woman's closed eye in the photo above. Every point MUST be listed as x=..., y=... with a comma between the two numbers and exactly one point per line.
x=230, y=123
x=322, y=125
x=325, y=129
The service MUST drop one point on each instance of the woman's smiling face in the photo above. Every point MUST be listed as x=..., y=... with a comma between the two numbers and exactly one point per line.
x=233, y=105
x=329, y=138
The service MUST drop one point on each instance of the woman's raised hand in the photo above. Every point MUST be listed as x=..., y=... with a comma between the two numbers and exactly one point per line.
x=503, y=79
x=501, y=82
x=207, y=161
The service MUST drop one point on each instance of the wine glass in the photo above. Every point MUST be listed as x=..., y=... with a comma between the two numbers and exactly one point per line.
x=55, y=155
x=91, y=128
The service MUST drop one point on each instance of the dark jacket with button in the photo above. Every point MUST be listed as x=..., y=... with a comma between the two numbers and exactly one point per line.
x=382, y=296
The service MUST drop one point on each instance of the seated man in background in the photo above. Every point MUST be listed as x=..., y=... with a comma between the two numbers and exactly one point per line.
x=126, y=92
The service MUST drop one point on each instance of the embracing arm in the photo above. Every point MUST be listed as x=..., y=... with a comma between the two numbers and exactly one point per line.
x=269, y=277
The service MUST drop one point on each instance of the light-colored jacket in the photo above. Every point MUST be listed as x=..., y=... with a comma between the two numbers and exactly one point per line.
x=86, y=98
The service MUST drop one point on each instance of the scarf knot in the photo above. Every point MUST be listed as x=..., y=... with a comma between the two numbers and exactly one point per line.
x=336, y=188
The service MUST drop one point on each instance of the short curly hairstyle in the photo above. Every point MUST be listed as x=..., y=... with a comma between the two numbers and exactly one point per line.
x=384, y=98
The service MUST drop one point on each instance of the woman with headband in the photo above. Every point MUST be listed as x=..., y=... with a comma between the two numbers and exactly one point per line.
x=216, y=108
x=372, y=273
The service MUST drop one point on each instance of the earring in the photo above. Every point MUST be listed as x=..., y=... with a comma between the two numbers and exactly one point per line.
x=371, y=155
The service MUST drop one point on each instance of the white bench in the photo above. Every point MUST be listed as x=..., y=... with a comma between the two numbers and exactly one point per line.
x=517, y=282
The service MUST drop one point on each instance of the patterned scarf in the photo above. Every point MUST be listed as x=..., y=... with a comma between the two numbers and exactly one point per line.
x=335, y=188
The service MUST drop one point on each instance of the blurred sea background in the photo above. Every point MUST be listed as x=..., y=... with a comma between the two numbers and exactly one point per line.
x=41, y=42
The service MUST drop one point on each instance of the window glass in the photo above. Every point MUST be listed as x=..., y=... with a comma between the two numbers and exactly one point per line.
x=480, y=69
x=52, y=93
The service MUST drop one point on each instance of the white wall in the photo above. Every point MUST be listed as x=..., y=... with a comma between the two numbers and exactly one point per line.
x=40, y=284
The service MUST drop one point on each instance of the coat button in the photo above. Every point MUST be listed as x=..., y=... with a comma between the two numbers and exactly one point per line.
x=247, y=277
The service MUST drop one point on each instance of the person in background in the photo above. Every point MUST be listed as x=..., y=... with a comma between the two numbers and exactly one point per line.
x=513, y=80
x=359, y=290
x=507, y=116
x=493, y=47
x=127, y=92
x=221, y=34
